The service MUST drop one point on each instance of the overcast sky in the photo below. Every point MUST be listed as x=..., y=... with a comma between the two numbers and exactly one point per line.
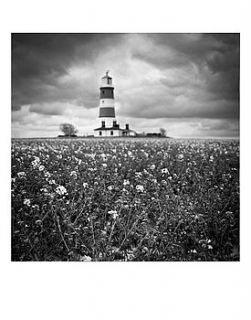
x=185, y=83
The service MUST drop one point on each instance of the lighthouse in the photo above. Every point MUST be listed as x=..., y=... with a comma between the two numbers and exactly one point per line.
x=106, y=105
x=109, y=126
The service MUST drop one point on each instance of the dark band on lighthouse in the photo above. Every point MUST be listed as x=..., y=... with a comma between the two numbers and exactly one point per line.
x=106, y=93
x=107, y=112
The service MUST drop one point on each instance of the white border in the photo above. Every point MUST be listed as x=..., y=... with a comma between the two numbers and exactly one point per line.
x=124, y=290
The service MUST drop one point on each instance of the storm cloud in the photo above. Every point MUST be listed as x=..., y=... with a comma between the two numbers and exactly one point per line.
x=170, y=80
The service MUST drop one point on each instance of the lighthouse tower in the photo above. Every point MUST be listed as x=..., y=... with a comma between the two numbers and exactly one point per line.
x=108, y=124
x=106, y=105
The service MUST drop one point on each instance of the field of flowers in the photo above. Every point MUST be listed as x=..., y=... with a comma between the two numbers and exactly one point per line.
x=125, y=200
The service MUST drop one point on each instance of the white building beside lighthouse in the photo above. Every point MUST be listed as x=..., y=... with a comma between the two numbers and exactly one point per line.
x=108, y=124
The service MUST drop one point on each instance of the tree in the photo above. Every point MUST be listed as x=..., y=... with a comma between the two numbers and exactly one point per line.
x=68, y=129
x=162, y=132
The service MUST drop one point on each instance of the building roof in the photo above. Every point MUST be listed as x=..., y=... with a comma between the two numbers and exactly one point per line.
x=108, y=128
x=113, y=128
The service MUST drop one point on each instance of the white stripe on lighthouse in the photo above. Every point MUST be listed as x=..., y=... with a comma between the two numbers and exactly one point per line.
x=106, y=103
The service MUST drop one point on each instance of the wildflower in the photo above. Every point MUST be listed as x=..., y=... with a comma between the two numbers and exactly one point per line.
x=61, y=190
x=139, y=188
x=152, y=167
x=47, y=174
x=130, y=256
x=35, y=163
x=126, y=182
x=86, y=259
x=52, y=182
x=114, y=213
x=73, y=174
x=180, y=157
x=193, y=251
x=104, y=165
x=21, y=174
x=27, y=202
x=41, y=168
x=110, y=188
x=210, y=247
x=85, y=184
x=165, y=170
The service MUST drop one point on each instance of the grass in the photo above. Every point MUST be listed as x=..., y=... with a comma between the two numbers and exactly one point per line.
x=125, y=200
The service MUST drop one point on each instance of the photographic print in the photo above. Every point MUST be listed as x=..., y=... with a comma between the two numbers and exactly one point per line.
x=125, y=147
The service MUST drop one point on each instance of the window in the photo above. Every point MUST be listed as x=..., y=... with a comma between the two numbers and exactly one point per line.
x=103, y=91
x=111, y=133
x=100, y=133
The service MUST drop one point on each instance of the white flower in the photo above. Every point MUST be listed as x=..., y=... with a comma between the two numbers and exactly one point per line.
x=52, y=182
x=180, y=157
x=73, y=174
x=126, y=182
x=86, y=259
x=152, y=167
x=61, y=190
x=164, y=170
x=139, y=188
x=35, y=163
x=27, y=202
x=47, y=174
x=21, y=174
x=110, y=188
x=193, y=251
x=41, y=168
x=210, y=247
x=85, y=184
x=130, y=256
x=114, y=213
x=104, y=165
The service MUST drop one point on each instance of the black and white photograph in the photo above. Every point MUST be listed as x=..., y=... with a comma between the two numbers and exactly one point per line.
x=125, y=147
x=125, y=160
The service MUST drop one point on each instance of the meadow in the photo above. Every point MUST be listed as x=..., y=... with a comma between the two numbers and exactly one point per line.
x=125, y=200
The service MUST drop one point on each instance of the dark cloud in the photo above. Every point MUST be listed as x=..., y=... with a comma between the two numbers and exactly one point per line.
x=157, y=76
x=39, y=60
x=216, y=57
